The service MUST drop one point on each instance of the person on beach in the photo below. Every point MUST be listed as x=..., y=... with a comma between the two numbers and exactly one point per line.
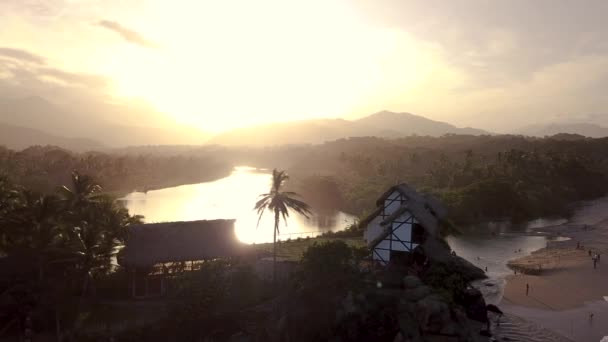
x=590, y=317
x=594, y=262
x=486, y=268
x=527, y=288
x=589, y=252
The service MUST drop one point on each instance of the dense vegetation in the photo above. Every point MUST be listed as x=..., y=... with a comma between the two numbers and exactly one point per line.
x=328, y=296
x=54, y=248
x=59, y=276
x=45, y=168
x=478, y=178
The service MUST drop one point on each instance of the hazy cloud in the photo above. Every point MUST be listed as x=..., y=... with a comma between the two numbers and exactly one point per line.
x=31, y=76
x=499, y=41
x=21, y=55
x=128, y=34
x=74, y=78
x=38, y=8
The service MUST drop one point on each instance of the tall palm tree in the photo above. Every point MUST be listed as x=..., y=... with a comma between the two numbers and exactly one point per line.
x=279, y=202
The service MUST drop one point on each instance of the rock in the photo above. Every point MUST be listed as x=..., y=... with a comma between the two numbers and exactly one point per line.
x=416, y=294
x=239, y=337
x=348, y=303
x=410, y=331
x=475, y=305
x=410, y=282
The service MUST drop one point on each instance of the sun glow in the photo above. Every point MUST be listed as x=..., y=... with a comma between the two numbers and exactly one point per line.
x=226, y=64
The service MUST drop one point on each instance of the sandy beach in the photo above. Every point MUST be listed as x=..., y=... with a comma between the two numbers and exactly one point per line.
x=566, y=293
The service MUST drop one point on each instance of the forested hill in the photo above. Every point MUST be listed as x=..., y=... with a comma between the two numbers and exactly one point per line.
x=478, y=177
x=45, y=168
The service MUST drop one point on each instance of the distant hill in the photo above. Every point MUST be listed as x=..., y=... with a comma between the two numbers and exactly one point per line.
x=409, y=124
x=18, y=138
x=111, y=124
x=584, y=129
x=382, y=124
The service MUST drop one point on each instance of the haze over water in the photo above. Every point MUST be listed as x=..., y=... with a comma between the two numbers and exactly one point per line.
x=232, y=197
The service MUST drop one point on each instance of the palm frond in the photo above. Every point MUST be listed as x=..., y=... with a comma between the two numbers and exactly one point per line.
x=298, y=206
x=263, y=202
x=283, y=210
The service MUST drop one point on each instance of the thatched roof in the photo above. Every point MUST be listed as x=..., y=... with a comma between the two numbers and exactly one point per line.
x=427, y=201
x=425, y=208
x=150, y=244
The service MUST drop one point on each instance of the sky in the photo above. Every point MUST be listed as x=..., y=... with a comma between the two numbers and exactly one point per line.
x=217, y=65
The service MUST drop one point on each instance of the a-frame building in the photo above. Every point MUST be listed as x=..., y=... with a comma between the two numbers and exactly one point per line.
x=403, y=220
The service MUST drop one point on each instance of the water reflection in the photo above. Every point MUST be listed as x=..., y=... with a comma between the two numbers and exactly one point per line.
x=232, y=197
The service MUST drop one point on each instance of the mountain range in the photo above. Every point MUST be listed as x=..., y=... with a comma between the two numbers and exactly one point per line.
x=80, y=126
x=382, y=124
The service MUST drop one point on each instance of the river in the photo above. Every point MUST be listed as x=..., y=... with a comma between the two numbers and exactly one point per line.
x=489, y=245
x=493, y=244
x=232, y=197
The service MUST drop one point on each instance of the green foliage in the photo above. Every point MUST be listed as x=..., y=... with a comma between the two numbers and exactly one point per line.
x=446, y=282
x=45, y=168
x=58, y=245
x=322, y=192
x=206, y=302
x=332, y=264
x=479, y=178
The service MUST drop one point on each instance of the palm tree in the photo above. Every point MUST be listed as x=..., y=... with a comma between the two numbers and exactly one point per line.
x=82, y=192
x=33, y=229
x=97, y=225
x=279, y=202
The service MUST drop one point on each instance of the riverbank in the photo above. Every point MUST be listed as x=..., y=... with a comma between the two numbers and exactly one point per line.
x=159, y=183
x=565, y=291
x=562, y=276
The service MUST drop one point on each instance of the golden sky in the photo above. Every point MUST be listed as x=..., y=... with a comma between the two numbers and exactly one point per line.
x=223, y=64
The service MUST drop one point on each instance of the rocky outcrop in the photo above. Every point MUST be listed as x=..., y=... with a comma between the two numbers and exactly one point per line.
x=438, y=251
x=426, y=316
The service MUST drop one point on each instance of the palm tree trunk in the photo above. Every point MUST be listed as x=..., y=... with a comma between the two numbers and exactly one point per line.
x=85, y=285
x=57, y=325
x=274, y=247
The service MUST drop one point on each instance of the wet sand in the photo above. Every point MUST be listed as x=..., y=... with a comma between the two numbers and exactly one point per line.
x=567, y=288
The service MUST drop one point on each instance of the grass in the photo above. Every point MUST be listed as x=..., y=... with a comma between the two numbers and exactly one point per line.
x=293, y=249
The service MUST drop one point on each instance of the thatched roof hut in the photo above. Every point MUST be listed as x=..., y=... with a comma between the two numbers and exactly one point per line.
x=403, y=220
x=150, y=244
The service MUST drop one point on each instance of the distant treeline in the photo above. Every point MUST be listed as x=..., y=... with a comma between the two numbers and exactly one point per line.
x=45, y=168
x=478, y=177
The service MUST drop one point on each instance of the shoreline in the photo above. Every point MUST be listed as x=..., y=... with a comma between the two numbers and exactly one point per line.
x=121, y=193
x=562, y=264
x=565, y=291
